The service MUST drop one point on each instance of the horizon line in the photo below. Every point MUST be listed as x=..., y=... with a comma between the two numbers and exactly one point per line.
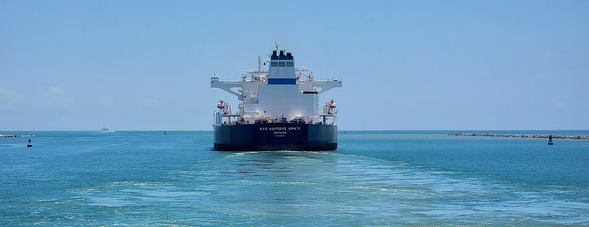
x=195, y=130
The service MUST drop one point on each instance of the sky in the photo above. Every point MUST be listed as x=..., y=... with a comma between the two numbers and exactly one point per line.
x=405, y=65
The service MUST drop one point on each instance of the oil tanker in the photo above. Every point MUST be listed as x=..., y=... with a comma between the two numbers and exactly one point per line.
x=278, y=109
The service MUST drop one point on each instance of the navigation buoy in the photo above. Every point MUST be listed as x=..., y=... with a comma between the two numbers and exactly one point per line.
x=550, y=140
x=164, y=132
x=29, y=145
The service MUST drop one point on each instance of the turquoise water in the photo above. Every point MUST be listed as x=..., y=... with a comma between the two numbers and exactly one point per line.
x=374, y=178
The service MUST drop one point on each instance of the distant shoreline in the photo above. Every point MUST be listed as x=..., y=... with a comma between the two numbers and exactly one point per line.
x=10, y=135
x=520, y=135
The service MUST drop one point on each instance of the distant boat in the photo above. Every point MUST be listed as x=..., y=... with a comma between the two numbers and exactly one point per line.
x=107, y=130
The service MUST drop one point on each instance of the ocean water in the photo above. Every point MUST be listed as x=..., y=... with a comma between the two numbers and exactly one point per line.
x=374, y=178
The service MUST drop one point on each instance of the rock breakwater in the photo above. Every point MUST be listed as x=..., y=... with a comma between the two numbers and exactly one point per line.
x=9, y=135
x=520, y=135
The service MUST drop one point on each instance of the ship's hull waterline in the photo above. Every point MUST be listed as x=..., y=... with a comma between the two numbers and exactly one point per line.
x=276, y=136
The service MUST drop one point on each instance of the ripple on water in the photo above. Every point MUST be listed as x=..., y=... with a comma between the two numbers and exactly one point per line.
x=277, y=188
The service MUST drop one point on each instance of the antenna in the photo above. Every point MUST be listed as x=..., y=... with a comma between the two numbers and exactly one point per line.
x=275, y=43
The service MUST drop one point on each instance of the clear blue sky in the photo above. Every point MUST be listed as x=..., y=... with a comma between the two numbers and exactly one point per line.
x=141, y=65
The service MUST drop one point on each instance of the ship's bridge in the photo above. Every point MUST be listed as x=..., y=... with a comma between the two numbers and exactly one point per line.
x=282, y=69
x=279, y=92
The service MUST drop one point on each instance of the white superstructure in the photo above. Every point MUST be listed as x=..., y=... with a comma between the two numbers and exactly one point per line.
x=281, y=93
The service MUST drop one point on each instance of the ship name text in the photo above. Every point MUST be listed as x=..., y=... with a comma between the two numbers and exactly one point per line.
x=280, y=128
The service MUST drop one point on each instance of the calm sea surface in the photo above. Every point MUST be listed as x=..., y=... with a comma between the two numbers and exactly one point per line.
x=374, y=178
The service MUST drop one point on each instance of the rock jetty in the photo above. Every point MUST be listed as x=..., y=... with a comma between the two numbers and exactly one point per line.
x=9, y=135
x=520, y=135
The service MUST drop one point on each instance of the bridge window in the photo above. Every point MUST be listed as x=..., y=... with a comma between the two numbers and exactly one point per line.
x=274, y=64
x=281, y=64
x=289, y=64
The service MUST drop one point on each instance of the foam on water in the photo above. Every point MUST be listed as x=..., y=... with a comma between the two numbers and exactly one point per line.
x=392, y=178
